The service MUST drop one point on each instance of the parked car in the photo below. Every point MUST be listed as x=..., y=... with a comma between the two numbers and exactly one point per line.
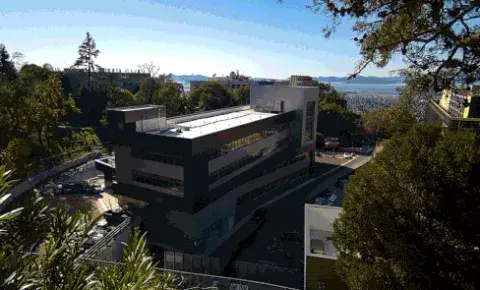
x=347, y=155
x=259, y=215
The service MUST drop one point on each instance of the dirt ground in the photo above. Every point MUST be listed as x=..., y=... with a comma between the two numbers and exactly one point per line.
x=95, y=204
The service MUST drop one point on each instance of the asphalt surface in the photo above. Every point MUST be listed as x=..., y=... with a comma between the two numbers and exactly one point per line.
x=285, y=215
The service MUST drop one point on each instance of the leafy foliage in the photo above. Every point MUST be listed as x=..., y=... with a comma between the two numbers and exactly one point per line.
x=334, y=118
x=408, y=216
x=212, y=95
x=57, y=236
x=242, y=95
x=7, y=67
x=31, y=107
x=418, y=90
x=440, y=38
x=389, y=121
x=87, y=53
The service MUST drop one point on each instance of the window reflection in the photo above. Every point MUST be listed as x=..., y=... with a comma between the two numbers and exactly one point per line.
x=156, y=180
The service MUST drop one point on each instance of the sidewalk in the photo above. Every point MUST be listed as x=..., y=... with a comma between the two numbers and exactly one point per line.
x=242, y=222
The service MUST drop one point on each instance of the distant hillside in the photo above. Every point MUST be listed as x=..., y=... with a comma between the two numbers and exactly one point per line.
x=357, y=80
x=363, y=80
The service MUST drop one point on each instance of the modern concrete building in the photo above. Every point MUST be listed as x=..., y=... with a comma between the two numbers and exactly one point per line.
x=320, y=253
x=456, y=109
x=191, y=178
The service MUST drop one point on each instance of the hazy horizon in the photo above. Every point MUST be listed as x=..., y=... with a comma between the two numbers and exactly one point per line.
x=259, y=38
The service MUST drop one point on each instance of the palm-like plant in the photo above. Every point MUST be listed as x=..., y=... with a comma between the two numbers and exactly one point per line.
x=138, y=270
x=57, y=264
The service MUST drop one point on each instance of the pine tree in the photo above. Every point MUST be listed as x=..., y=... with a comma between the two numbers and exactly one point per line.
x=7, y=67
x=87, y=53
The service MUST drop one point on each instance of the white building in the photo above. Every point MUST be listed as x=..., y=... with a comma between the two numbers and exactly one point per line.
x=320, y=254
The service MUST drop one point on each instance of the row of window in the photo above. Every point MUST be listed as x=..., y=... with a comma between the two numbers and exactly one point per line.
x=309, y=122
x=156, y=180
x=257, y=193
x=244, y=141
x=159, y=157
x=296, y=159
x=244, y=161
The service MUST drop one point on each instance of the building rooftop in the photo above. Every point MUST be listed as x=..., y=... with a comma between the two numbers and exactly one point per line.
x=319, y=229
x=135, y=108
x=204, y=125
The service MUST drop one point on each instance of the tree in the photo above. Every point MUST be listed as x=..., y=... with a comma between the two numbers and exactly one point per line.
x=416, y=93
x=389, y=121
x=408, y=216
x=150, y=68
x=211, y=96
x=439, y=37
x=334, y=118
x=242, y=95
x=7, y=66
x=87, y=53
x=170, y=95
x=57, y=264
x=118, y=97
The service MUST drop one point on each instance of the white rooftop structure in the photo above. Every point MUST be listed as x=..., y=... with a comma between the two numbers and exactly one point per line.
x=204, y=125
x=318, y=230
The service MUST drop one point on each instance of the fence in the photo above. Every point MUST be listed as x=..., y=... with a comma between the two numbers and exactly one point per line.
x=191, y=279
x=29, y=184
x=268, y=272
x=192, y=263
x=110, y=246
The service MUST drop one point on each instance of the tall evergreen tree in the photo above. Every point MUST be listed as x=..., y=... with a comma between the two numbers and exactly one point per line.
x=87, y=53
x=7, y=67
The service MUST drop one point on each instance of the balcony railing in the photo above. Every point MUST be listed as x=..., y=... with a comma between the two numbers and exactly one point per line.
x=190, y=279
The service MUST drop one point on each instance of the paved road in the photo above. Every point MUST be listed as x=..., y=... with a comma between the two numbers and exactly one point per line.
x=285, y=215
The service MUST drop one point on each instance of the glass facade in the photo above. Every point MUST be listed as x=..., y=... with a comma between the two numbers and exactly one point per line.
x=159, y=157
x=245, y=141
x=259, y=192
x=232, y=167
x=156, y=180
x=308, y=134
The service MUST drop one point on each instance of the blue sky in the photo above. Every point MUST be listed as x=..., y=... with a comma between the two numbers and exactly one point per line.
x=260, y=38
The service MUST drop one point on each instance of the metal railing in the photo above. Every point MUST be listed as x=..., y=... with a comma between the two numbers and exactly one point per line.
x=205, y=280
x=102, y=243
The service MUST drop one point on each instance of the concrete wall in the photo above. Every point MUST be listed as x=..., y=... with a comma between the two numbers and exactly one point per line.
x=29, y=184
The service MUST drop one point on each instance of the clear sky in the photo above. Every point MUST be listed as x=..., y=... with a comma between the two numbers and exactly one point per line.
x=260, y=38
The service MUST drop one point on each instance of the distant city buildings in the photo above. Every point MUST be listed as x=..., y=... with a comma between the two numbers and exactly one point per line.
x=320, y=253
x=456, y=109
x=233, y=83
x=190, y=179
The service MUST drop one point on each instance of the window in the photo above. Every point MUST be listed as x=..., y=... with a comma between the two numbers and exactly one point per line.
x=159, y=157
x=245, y=141
x=244, y=161
x=156, y=180
x=308, y=134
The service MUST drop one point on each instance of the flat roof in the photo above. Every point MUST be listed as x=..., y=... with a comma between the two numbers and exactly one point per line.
x=208, y=125
x=135, y=108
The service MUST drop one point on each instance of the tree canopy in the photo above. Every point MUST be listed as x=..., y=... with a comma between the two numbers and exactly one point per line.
x=212, y=95
x=387, y=122
x=408, y=216
x=56, y=237
x=439, y=37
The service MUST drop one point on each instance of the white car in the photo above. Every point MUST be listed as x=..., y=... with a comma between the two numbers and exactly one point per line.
x=347, y=155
